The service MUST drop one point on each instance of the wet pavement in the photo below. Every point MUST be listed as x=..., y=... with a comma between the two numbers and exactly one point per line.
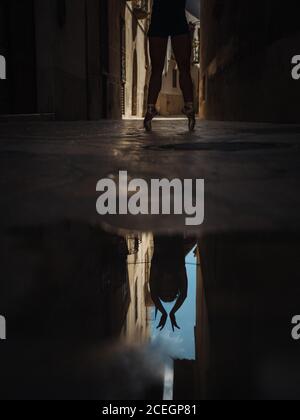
x=251, y=171
x=83, y=295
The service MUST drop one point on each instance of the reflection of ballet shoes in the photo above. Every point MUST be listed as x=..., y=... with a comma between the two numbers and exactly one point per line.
x=151, y=113
x=189, y=111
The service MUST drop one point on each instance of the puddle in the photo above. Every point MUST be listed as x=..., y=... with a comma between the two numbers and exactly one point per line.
x=98, y=314
x=163, y=289
x=130, y=316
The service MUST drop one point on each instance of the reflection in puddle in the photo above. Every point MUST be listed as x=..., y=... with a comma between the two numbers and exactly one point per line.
x=82, y=308
x=162, y=276
x=115, y=314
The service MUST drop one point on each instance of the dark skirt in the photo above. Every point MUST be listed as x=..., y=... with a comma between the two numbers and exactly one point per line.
x=164, y=26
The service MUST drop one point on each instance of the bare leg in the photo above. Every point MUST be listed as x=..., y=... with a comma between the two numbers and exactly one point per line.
x=182, y=48
x=158, y=50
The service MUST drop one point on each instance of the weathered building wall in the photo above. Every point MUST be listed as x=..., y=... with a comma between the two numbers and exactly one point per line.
x=18, y=91
x=170, y=101
x=137, y=328
x=45, y=30
x=137, y=63
x=116, y=11
x=71, y=62
x=246, y=52
x=63, y=58
x=87, y=58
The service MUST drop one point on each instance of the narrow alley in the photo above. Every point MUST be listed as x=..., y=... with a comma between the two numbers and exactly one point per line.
x=88, y=299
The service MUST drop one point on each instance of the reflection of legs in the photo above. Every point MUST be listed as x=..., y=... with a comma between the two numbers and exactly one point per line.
x=158, y=49
x=182, y=48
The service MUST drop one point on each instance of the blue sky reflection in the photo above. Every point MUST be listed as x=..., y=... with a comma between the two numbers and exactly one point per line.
x=181, y=343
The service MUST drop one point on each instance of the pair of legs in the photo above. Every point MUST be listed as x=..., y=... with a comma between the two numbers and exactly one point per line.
x=182, y=49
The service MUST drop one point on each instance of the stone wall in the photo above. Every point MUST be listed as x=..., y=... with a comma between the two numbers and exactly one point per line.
x=246, y=52
x=137, y=64
x=63, y=58
x=18, y=91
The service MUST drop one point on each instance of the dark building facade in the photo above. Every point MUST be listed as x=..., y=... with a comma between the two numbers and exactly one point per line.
x=63, y=57
x=247, y=47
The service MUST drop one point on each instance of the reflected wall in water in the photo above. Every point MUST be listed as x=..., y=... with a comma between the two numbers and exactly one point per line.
x=140, y=251
x=252, y=287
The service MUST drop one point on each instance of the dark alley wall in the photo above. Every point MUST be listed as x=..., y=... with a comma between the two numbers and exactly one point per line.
x=63, y=58
x=246, y=50
x=18, y=92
